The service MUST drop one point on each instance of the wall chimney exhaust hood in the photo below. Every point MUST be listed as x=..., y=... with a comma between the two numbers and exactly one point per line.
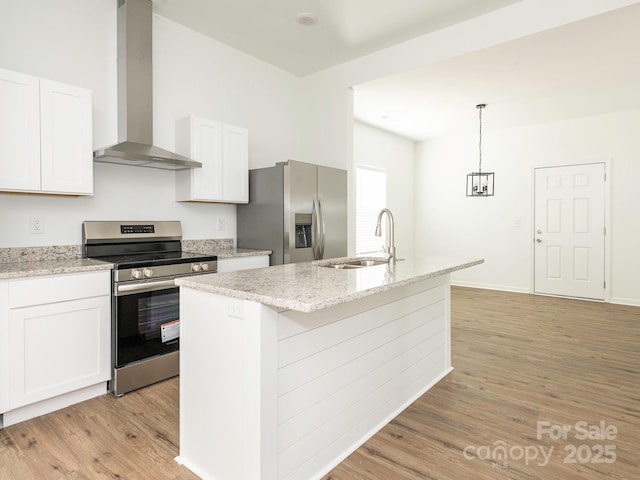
x=135, y=95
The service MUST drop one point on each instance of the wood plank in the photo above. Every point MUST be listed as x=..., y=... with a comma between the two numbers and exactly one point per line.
x=132, y=437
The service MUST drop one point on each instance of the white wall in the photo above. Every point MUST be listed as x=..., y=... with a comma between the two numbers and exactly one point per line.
x=121, y=193
x=448, y=222
x=328, y=94
x=74, y=41
x=194, y=74
x=309, y=119
x=395, y=155
x=70, y=41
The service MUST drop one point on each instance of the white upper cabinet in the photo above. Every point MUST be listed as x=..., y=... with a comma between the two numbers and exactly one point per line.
x=223, y=151
x=201, y=140
x=66, y=150
x=45, y=136
x=19, y=132
x=235, y=164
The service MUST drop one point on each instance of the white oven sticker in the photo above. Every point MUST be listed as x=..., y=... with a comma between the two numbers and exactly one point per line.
x=170, y=331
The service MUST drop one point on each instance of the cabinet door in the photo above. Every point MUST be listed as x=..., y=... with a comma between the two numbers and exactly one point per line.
x=57, y=348
x=206, y=138
x=19, y=132
x=201, y=140
x=235, y=164
x=66, y=139
x=4, y=346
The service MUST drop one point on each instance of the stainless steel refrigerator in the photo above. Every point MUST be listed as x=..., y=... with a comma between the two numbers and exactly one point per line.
x=297, y=210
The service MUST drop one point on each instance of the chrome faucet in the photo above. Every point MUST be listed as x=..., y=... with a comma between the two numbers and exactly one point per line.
x=390, y=247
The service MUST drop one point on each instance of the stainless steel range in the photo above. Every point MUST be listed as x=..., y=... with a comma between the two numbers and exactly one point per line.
x=145, y=310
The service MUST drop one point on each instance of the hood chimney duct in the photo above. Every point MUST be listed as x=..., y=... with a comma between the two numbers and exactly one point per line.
x=135, y=95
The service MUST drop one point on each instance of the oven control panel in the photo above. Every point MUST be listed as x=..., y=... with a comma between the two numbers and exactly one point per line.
x=132, y=229
x=160, y=271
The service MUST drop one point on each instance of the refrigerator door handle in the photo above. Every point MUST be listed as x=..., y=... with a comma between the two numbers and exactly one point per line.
x=315, y=231
x=322, y=231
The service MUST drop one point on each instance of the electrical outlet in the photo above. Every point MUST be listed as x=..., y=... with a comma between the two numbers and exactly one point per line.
x=222, y=224
x=235, y=309
x=36, y=225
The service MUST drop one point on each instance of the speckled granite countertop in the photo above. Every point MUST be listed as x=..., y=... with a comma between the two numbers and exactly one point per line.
x=50, y=267
x=233, y=252
x=20, y=262
x=308, y=286
x=223, y=248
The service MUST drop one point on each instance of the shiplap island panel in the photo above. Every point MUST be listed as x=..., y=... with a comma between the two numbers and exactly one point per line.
x=286, y=370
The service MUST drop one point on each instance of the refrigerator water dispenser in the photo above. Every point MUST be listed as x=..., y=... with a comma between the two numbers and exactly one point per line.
x=303, y=230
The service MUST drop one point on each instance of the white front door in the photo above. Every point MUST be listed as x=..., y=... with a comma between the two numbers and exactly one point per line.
x=569, y=231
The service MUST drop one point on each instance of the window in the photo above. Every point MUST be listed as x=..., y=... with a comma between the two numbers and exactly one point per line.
x=371, y=197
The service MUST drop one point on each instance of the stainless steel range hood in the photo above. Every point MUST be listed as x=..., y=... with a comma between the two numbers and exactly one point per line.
x=135, y=95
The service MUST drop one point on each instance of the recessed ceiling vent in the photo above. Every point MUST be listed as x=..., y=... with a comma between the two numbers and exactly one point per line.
x=306, y=18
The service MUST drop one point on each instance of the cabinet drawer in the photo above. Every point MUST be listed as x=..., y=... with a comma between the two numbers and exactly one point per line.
x=58, y=288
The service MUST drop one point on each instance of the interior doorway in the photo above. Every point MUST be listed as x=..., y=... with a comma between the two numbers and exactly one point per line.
x=569, y=216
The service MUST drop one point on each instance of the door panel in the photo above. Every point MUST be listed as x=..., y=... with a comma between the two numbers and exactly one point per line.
x=569, y=223
x=301, y=185
x=235, y=164
x=66, y=138
x=332, y=192
x=206, y=141
x=19, y=132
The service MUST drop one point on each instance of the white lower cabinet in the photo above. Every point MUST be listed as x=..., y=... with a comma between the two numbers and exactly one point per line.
x=242, y=263
x=57, y=339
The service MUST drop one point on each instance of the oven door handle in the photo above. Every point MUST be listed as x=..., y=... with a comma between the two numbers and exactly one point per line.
x=131, y=289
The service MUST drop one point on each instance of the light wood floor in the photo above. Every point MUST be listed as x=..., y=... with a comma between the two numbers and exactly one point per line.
x=519, y=359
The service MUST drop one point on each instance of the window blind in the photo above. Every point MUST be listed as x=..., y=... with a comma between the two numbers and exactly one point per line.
x=371, y=197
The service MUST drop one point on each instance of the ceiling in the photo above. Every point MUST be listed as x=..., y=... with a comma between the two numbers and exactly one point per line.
x=580, y=69
x=586, y=68
x=345, y=29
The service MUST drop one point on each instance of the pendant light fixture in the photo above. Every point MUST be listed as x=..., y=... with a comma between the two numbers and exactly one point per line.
x=480, y=184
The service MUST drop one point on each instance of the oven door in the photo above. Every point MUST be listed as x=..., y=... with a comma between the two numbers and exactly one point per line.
x=147, y=320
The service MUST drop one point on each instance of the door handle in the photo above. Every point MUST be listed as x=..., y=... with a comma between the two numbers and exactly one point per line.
x=315, y=232
x=538, y=240
x=322, y=231
x=133, y=288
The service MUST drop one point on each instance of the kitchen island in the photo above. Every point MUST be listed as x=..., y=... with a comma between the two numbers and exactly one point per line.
x=286, y=370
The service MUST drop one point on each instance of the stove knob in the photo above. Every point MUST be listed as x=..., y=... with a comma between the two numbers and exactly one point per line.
x=148, y=272
x=137, y=274
x=195, y=267
x=204, y=267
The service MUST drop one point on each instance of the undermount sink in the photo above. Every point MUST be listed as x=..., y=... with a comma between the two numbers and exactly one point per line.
x=351, y=264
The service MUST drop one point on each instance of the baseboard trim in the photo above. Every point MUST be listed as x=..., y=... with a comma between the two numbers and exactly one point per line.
x=632, y=302
x=486, y=286
x=43, y=407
